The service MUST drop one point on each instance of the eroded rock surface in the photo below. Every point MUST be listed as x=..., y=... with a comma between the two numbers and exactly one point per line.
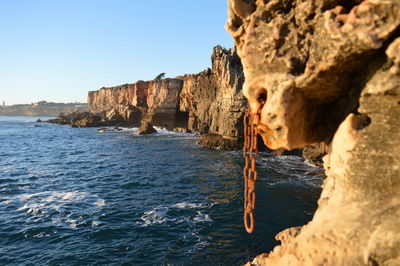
x=153, y=101
x=146, y=128
x=78, y=119
x=328, y=71
x=208, y=102
x=214, y=101
x=314, y=153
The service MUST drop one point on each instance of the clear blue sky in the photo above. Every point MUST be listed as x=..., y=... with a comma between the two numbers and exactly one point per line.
x=59, y=50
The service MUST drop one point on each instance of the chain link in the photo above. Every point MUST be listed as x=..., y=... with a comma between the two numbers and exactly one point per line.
x=250, y=153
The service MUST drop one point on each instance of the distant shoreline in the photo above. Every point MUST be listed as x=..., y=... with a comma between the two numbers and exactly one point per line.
x=42, y=108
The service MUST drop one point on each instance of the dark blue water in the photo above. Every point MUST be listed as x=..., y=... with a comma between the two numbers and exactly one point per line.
x=74, y=196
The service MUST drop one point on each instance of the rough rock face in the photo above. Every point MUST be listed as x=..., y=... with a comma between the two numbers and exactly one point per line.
x=154, y=101
x=197, y=96
x=163, y=103
x=217, y=142
x=78, y=119
x=146, y=129
x=207, y=102
x=314, y=153
x=214, y=99
x=113, y=97
x=329, y=70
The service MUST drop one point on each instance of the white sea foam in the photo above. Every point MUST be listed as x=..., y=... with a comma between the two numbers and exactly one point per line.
x=100, y=203
x=56, y=198
x=163, y=131
x=294, y=169
x=187, y=205
x=160, y=214
x=155, y=216
x=61, y=207
x=201, y=217
x=129, y=129
x=40, y=235
x=72, y=223
x=201, y=242
x=95, y=223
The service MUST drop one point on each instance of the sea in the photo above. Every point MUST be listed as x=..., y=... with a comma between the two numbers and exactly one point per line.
x=75, y=196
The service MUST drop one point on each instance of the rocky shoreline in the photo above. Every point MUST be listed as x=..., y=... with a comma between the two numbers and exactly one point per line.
x=210, y=103
x=42, y=108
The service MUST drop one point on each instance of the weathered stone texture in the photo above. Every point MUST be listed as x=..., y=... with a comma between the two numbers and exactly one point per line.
x=214, y=97
x=208, y=102
x=149, y=100
x=113, y=97
x=197, y=96
x=308, y=55
x=315, y=152
x=330, y=71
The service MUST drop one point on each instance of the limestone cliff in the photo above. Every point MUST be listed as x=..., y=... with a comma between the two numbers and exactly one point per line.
x=329, y=70
x=155, y=101
x=214, y=100
x=210, y=102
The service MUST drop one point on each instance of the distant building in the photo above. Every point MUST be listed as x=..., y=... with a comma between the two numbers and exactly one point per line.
x=4, y=104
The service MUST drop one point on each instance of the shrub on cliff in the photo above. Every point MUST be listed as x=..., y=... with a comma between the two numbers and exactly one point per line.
x=160, y=76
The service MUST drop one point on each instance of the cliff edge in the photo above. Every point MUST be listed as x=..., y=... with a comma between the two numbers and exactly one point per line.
x=210, y=102
x=329, y=71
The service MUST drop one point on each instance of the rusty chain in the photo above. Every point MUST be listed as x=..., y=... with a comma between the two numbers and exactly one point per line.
x=250, y=153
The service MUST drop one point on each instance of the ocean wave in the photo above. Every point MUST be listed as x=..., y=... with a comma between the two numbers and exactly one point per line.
x=160, y=131
x=129, y=128
x=161, y=214
x=291, y=169
x=72, y=208
x=155, y=216
x=201, y=217
x=164, y=131
x=187, y=205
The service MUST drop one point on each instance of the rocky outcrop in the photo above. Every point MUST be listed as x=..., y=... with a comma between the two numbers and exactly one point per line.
x=314, y=153
x=207, y=102
x=216, y=142
x=146, y=129
x=215, y=102
x=153, y=101
x=78, y=119
x=329, y=71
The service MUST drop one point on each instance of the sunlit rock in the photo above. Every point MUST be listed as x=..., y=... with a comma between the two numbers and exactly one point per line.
x=328, y=71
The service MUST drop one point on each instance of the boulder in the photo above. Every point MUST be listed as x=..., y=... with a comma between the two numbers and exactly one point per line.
x=217, y=142
x=84, y=119
x=314, y=153
x=77, y=119
x=145, y=129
